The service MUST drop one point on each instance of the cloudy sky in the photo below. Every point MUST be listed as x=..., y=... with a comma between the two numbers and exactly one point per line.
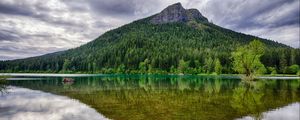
x=35, y=27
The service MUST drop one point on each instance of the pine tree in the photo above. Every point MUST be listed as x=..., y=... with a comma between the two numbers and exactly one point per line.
x=218, y=66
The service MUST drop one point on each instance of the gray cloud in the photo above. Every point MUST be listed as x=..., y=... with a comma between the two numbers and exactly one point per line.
x=120, y=7
x=16, y=9
x=38, y=11
x=34, y=27
x=241, y=13
x=8, y=35
x=261, y=18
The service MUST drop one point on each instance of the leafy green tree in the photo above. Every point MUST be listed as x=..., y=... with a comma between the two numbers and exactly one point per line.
x=143, y=65
x=218, y=66
x=183, y=66
x=150, y=68
x=293, y=69
x=173, y=69
x=121, y=69
x=272, y=70
x=246, y=59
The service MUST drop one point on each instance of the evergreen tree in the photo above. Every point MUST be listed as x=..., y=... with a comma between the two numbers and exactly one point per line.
x=66, y=65
x=208, y=65
x=218, y=66
x=283, y=63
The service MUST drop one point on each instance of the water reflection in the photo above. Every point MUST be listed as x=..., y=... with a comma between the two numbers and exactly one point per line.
x=210, y=84
x=172, y=97
x=248, y=99
x=290, y=112
x=3, y=85
x=26, y=104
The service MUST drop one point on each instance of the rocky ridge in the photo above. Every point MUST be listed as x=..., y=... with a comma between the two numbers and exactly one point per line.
x=176, y=13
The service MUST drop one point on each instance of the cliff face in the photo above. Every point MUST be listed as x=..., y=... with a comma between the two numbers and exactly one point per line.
x=196, y=15
x=176, y=13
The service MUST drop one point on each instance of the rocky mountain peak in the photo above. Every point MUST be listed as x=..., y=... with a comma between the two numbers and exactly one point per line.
x=195, y=14
x=176, y=13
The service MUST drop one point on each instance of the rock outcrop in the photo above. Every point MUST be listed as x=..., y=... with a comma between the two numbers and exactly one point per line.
x=176, y=13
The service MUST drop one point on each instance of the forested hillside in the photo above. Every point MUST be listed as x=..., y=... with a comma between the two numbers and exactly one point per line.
x=192, y=46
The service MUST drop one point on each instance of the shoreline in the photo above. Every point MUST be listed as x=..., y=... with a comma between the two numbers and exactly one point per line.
x=277, y=76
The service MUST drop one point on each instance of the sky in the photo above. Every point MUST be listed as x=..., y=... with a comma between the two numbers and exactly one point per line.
x=36, y=27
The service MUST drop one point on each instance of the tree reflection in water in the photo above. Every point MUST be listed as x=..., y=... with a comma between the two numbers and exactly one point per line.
x=167, y=97
x=3, y=85
x=247, y=99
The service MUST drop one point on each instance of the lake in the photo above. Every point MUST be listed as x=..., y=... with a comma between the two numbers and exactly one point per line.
x=148, y=97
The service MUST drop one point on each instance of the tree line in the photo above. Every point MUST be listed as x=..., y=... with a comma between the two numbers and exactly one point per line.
x=141, y=47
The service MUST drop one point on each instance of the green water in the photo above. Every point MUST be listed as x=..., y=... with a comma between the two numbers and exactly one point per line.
x=136, y=97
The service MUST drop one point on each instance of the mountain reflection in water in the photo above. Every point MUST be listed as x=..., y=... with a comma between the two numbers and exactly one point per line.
x=135, y=97
x=26, y=104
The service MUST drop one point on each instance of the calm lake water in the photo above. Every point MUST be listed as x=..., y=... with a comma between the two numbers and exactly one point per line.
x=153, y=97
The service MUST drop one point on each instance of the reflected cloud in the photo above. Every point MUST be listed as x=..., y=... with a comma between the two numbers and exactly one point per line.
x=26, y=104
x=290, y=112
x=167, y=97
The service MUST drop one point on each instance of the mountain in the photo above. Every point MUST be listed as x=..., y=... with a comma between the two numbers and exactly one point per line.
x=176, y=13
x=174, y=38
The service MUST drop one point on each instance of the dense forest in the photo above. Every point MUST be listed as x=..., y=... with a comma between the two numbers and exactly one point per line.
x=190, y=47
x=142, y=47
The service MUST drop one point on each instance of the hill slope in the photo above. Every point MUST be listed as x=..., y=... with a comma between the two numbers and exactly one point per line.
x=156, y=44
